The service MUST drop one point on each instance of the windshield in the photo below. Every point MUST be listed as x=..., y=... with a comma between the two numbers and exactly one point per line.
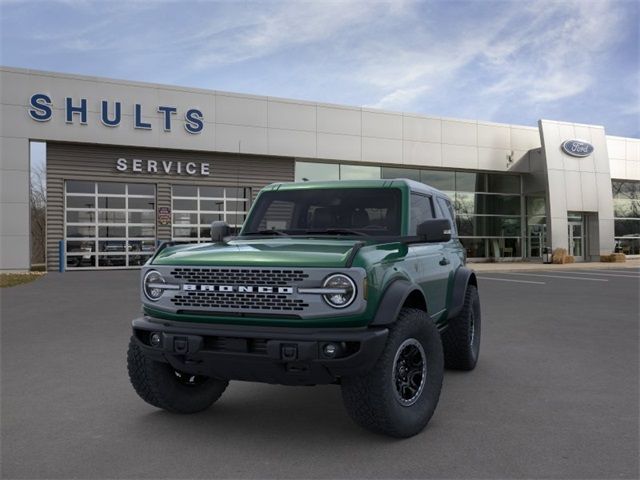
x=330, y=211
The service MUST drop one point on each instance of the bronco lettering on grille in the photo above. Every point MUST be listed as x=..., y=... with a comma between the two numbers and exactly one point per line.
x=189, y=287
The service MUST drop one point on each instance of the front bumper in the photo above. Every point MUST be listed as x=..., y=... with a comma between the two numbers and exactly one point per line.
x=289, y=356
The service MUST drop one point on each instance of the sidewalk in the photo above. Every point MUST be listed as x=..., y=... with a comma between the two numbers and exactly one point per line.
x=511, y=266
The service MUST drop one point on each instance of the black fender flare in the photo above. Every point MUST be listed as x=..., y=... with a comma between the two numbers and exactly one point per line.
x=461, y=279
x=392, y=301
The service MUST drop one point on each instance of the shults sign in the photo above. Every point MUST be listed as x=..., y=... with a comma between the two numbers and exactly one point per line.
x=41, y=110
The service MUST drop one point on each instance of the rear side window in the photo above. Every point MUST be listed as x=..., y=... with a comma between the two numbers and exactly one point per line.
x=421, y=209
x=447, y=211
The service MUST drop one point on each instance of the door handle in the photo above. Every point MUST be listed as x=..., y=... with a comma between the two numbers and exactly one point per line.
x=444, y=261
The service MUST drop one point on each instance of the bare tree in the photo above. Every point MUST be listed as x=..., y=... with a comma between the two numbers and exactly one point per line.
x=38, y=209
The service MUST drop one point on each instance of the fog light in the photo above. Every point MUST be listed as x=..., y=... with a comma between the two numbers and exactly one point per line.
x=330, y=350
x=155, y=339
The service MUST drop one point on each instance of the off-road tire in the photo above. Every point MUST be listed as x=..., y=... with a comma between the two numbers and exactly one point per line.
x=158, y=384
x=371, y=400
x=461, y=340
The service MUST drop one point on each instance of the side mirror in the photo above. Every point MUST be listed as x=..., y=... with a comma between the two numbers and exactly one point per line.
x=435, y=230
x=219, y=230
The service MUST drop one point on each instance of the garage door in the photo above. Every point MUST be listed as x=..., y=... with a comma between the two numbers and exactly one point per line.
x=109, y=224
x=195, y=207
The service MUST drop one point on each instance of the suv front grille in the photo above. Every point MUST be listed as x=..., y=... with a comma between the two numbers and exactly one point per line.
x=237, y=276
x=239, y=301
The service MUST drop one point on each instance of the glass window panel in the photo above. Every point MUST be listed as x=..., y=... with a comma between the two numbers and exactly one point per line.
x=142, y=189
x=185, y=204
x=235, y=219
x=185, y=218
x=474, y=226
x=482, y=204
x=205, y=233
x=112, y=246
x=112, y=187
x=359, y=172
x=626, y=189
x=81, y=202
x=184, y=191
x=475, y=247
x=395, y=172
x=233, y=192
x=111, y=202
x=142, y=231
x=207, y=218
x=499, y=183
x=627, y=228
x=505, y=247
x=307, y=171
x=147, y=246
x=185, y=232
x=234, y=206
x=444, y=181
x=142, y=217
x=142, y=203
x=217, y=192
x=537, y=220
x=629, y=245
x=212, y=205
x=623, y=208
x=79, y=232
x=75, y=186
x=81, y=261
x=536, y=206
x=88, y=216
x=112, y=217
x=75, y=246
x=112, y=261
x=112, y=232
x=470, y=182
x=138, y=260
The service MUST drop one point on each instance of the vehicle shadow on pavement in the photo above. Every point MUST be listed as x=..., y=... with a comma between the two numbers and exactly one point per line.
x=266, y=411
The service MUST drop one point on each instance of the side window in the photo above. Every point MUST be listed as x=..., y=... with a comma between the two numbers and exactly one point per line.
x=421, y=209
x=447, y=210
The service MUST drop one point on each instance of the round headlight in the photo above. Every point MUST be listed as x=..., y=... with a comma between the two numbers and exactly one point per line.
x=344, y=291
x=152, y=285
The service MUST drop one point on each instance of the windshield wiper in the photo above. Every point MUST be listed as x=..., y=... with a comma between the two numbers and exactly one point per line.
x=336, y=231
x=267, y=232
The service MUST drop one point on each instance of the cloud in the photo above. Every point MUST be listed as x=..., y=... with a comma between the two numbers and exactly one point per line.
x=554, y=55
x=249, y=36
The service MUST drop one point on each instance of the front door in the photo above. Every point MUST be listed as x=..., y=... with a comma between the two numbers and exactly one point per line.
x=576, y=240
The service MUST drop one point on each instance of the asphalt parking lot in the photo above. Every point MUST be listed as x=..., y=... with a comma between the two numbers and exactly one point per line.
x=555, y=394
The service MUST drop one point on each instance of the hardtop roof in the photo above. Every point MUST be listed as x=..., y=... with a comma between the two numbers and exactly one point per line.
x=374, y=183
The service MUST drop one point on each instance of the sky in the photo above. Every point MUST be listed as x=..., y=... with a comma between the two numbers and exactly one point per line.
x=502, y=61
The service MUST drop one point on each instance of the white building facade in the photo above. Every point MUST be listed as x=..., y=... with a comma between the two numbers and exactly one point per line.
x=130, y=164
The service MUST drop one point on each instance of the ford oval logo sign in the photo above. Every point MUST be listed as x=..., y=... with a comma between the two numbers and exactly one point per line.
x=577, y=148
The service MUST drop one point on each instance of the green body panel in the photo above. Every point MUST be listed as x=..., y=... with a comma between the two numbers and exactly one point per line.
x=384, y=262
x=281, y=252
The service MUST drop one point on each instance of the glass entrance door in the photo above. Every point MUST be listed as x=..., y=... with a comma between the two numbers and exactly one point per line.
x=575, y=236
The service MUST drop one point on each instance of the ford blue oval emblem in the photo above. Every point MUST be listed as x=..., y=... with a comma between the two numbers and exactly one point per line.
x=577, y=148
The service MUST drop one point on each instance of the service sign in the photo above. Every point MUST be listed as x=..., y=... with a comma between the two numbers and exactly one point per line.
x=577, y=148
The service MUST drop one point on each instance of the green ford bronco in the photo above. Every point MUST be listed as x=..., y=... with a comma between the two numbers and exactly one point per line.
x=357, y=283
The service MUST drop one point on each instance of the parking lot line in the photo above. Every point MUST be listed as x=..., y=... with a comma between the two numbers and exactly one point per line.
x=556, y=276
x=594, y=272
x=512, y=280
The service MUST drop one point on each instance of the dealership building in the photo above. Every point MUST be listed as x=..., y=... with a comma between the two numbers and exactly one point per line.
x=131, y=164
